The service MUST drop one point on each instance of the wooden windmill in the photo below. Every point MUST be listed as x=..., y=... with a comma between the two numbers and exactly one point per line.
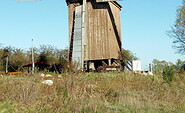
x=94, y=32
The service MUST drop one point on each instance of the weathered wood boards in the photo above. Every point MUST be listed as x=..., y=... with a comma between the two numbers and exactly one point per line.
x=103, y=31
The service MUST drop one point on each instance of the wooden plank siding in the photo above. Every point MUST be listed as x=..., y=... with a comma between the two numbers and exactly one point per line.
x=103, y=29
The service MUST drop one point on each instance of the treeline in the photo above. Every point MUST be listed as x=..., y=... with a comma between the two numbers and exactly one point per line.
x=51, y=59
x=46, y=58
x=159, y=66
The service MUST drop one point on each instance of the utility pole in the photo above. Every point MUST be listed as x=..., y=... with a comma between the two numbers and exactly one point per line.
x=32, y=52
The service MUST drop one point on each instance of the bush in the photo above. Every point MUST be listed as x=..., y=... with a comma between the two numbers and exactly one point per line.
x=168, y=74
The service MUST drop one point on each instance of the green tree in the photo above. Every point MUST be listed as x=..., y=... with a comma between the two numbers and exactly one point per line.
x=158, y=66
x=1, y=60
x=48, y=54
x=17, y=58
x=168, y=74
x=127, y=55
x=55, y=58
x=179, y=64
x=5, y=52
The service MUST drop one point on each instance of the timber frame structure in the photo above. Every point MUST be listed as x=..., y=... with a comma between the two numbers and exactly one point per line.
x=94, y=33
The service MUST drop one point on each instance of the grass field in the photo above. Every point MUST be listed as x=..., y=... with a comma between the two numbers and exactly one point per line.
x=111, y=92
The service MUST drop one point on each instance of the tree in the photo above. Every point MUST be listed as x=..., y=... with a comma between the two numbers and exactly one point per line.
x=179, y=64
x=4, y=58
x=17, y=58
x=158, y=65
x=46, y=57
x=127, y=55
x=12, y=59
x=55, y=58
x=177, y=33
x=2, y=67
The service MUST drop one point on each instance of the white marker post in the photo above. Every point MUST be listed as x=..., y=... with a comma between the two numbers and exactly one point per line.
x=6, y=71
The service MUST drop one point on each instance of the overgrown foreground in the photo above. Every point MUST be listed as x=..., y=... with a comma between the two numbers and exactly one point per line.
x=92, y=92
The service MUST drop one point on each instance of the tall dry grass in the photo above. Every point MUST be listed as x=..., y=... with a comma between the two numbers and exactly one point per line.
x=92, y=92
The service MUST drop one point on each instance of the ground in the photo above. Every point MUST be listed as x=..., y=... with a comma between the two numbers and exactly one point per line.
x=120, y=92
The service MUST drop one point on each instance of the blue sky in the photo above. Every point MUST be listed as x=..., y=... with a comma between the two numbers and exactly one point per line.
x=144, y=26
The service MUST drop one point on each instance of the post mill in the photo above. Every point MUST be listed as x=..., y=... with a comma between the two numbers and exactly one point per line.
x=94, y=32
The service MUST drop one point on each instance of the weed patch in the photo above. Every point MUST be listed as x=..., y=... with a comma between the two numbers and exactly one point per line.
x=92, y=92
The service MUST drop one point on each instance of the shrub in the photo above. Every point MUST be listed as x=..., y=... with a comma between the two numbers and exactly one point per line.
x=168, y=74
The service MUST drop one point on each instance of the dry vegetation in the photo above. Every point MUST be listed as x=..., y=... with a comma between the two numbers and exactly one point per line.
x=92, y=92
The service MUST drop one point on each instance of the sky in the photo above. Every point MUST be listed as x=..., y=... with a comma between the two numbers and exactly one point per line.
x=144, y=25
